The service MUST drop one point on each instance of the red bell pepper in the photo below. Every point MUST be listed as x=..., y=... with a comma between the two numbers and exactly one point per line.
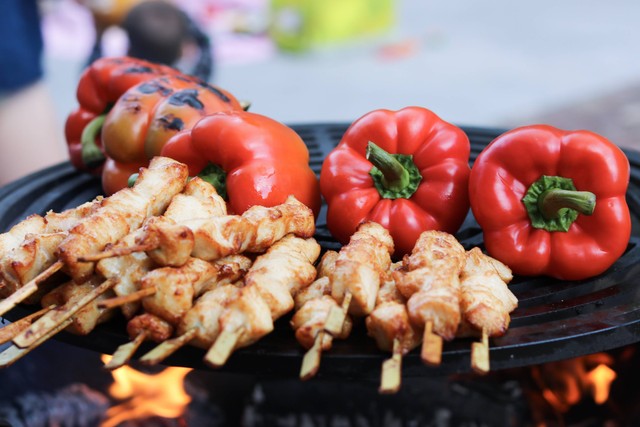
x=552, y=202
x=100, y=85
x=251, y=159
x=414, y=177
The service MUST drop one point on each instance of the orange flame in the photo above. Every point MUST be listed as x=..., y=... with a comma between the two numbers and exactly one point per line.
x=600, y=380
x=145, y=395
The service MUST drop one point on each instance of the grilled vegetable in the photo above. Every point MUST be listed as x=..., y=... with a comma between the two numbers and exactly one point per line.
x=138, y=106
x=407, y=170
x=552, y=202
x=251, y=159
x=100, y=85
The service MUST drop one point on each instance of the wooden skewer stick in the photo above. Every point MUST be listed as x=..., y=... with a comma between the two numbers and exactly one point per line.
x=111, y=253
x=390, y=378
x=167, y=348
x=480, y=354
x=124, y=353
x=13, y=353
x=431, y=346
x=311, y=360
x=51, y=320
x=28, y=289
x=222, y=348
x=125, y=299
x=337, y=316
x=11, y=330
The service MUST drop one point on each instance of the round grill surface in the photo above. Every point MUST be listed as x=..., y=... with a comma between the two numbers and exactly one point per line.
x=554, y=320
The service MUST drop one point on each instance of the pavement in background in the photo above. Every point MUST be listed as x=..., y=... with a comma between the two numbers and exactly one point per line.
x=493, y=63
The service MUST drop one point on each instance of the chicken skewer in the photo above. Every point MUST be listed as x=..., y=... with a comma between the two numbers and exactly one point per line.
x=430, y=281
x=234, y=316
x=486, y=303
x=359, y=270
x=390, y=326
x=113, y=218
x=312, y=305
x=110, y=221
x=175, y=290
x=27, y=252
x=122, y=213
x=218, y=236
x=65, y=297
x=276, y=276
x=165, y=238
x=198, y=198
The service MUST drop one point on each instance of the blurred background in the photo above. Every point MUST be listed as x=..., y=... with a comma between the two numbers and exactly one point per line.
x=573, y=63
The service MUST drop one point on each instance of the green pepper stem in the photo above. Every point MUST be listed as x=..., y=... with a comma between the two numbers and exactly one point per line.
x=552, y=201
x=394, y=175
x=91, y=154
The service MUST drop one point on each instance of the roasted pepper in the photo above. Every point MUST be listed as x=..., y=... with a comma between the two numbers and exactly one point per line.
x=407, y=170
x=552, y=202
x=250, y=158
x=144, y=118
x=99, y=87
x=135, y=108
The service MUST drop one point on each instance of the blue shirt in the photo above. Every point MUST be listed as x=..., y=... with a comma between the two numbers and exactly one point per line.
x=21, y=45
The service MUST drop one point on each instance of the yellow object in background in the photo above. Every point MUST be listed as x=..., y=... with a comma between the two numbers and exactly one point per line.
x=298, y=25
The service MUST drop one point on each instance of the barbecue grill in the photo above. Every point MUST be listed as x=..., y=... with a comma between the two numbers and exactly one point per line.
x=555, y=319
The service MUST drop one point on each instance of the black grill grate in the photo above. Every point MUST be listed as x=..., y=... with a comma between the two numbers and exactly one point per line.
x=555, y=319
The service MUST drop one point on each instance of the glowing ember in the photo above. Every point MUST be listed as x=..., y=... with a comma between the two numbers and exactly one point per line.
x=145, y=395
x=600, y=380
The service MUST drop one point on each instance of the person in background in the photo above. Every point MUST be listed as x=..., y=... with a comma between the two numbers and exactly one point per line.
x=29, y=136
x=157, y=31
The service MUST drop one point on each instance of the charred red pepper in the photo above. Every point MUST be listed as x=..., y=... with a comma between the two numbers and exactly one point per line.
x=407, y=170
x=552, y=202
x=129, y=109
x=250, y=158
x=144, y=118
x=99, y=87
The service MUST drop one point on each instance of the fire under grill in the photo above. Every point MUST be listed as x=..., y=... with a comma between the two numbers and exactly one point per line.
x=555, y=320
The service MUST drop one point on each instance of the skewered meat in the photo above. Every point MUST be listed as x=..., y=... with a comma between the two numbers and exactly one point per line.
x=485, y=299
x=270, y=285
x=284, y=270
x=29, y=247
x=128, y=270
x=149, y=327
x=170, y=242
x=85, y=319
x=389, y=321
x=122, y=213
x=360, y=267
x=430, y=280
x=313, y=305
x=254, y=231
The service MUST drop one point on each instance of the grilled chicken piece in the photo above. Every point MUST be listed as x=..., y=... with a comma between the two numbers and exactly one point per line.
x=281, y=272
x=29, y=247
x=254, y=231
x=430, y=281
x=361, y=266
x=175, y=288
x=170, y=241
x=204, y=316
x=121, y=213
x=150, y=326
x=269, y=288
x=313, y=305
x=128, y=270
x=27, y=260
x=389, y=321
x=85, y=319
x=486, y=301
